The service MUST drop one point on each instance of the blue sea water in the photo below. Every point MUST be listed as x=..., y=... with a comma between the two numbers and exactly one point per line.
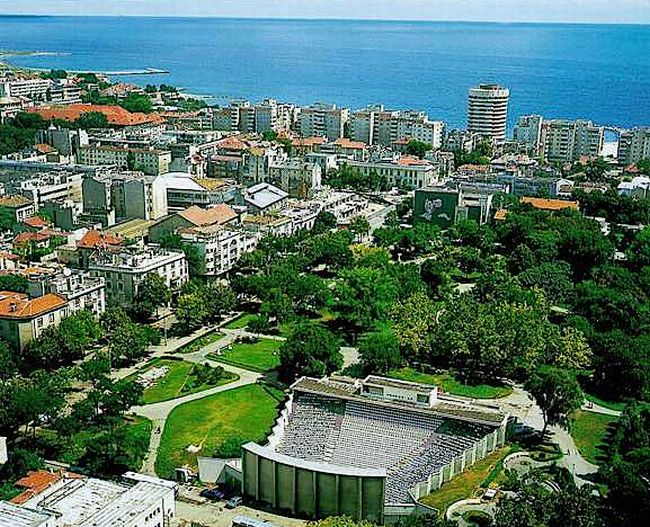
x=600, y=72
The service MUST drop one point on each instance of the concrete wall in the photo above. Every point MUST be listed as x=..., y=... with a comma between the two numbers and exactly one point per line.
x=304, y=491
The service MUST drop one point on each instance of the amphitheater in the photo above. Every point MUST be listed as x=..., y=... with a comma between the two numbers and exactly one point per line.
x=366, y=448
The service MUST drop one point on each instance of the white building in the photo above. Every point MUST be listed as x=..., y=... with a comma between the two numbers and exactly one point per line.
x=125, y=270
x=376, y=125
x=568, y=141
x=487, y=111
x=149, y=161
x=528, y=131
x=296, y=177
x=406, y=172
x=323, y=120
x=74, y=501
x=34, y=89
x=220, y=247
x=634, y=145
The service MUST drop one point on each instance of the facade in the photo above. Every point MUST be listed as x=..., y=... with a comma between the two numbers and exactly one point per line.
x=151, y=162
x=220, y=247
x=264, y=198
x=82, y=291
x=568, y=141
x=184, y=191
x=634, y=145
x=323, y=120
x=23, y=320
x=376, y=125
x=125, y=270
x=367, y=449
x=21, y=207
x=445, y=206
x=67, y=142
x=528, y=132
x=298, y=178
x=63, y=499
x=34, y=89
x=406, y=172
x=487, y=111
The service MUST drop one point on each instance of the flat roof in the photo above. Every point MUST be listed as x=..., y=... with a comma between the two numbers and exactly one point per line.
x=314, y=466
x=15, y=516
x=396, y=383
x=444, y=407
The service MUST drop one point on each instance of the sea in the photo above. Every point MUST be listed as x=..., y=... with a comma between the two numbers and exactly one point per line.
x=600, y=72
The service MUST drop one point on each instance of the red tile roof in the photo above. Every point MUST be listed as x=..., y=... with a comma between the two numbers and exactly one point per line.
x=218, y=215
x=36, y=221
x=94, y=239
x=344, y=142
x=116, y=115
x=308, y=142
x=38, y=236
x=18, y=305
x=412, y=161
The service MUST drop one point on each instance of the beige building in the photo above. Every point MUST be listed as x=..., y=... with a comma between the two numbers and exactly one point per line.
x=406, y=172
x=568, y=141
x=323, y=120
x=150, y=161
x=23, y=320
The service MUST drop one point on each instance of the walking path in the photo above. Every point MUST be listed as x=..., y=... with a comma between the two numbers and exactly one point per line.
x=588, y=406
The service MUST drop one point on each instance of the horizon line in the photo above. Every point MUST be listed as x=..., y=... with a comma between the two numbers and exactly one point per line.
x=328, y=19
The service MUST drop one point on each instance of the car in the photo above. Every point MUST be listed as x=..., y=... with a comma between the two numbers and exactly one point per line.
x=212, y=494
x=233, y=503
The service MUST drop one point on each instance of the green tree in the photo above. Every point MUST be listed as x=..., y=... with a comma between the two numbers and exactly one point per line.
x=13, y=282
x=379, y=351
x=324, y=222
x=557, y=393
x=191, y=312
x=137, y=103
x=311, y=350
x=152, y=293
x=417, y=148
x=413, y=321
x=91, y=120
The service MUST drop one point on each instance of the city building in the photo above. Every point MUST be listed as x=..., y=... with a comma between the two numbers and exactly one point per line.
x=487, y=111
x=323, y=120
x=184, y=190
x=23, y=319
x=124, y=270
x=150, y=161
x=634, y=145
x=264, y=198
x=528, y=132
x=20, y=206
x=377, y=126
x=405, y=172
x=34, y=89
x=65, y=499
x=82, y=291
x=567, y=141
x=115, y=115
x=298, y=178
x=66, y=141
x=192, y=217
x=445, y=206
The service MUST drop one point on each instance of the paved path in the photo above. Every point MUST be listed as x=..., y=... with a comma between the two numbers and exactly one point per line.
x=588, y=406
x=158, y=413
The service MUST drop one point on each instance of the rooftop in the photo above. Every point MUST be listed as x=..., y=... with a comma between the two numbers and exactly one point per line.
x=14, y=516
x=19, y=306
x=14, y=202
x=116, y=115
x=95, y=239
x=219, y=214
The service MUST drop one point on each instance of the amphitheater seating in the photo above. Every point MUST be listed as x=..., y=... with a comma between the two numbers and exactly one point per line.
x=409, y=445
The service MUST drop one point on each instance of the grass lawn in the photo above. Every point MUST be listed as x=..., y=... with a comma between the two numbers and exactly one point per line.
x=466, y=484
x=178, y=382
x=260, y=356
x=200, y=343
x=589, y=431
x=245, y=413
x=451, y=385
x=240, y=322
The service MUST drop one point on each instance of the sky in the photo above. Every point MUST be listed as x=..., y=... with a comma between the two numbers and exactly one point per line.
x=581, y=11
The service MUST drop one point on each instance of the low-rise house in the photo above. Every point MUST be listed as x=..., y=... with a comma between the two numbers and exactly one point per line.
x=21, y=207
x=23, y=319
x=39, y=245
x=126, y=269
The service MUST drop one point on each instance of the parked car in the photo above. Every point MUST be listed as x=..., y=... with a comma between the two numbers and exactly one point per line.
x=233, y=503
x=212, y=494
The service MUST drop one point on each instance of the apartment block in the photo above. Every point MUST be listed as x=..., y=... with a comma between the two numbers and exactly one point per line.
x=149, y=161
x=323, y=120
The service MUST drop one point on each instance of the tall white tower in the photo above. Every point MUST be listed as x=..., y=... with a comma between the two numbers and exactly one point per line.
x=487, y=111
